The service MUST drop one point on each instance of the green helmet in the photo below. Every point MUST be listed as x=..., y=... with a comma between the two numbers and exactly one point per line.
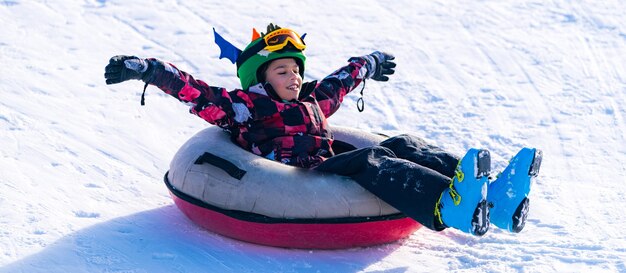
x=251, y=59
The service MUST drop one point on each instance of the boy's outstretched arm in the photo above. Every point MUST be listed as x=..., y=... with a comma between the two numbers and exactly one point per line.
x=331, y=90
x=214, y=104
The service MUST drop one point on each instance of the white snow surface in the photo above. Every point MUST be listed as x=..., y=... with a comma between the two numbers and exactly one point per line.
x=81, y=163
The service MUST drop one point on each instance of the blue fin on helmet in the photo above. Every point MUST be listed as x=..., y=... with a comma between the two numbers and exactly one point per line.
x=227, y=50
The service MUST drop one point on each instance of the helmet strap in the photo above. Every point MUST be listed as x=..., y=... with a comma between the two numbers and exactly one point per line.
x=271, y=92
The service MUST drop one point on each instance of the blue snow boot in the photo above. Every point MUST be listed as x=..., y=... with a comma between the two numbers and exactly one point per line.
x=508, y=193
x=464, y=205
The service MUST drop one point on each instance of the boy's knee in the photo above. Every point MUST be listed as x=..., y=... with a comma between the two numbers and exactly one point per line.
x=379, y=151
x=404, y=140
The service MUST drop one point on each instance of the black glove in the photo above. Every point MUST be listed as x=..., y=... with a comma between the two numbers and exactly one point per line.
x=122, y=68
x=379, y=65
x=271, y=27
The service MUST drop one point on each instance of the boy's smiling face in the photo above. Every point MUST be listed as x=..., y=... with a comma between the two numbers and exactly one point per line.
x=284, y=76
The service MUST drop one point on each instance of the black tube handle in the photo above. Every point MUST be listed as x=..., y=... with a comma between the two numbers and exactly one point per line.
x=221, y=163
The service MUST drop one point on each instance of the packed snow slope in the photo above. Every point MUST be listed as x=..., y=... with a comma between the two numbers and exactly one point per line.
x=81, y=163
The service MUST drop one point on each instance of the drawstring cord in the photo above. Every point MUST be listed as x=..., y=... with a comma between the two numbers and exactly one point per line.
x=360, y=103
x=143, y=95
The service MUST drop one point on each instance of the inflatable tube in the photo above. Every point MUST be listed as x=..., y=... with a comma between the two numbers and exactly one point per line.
x=232, y=192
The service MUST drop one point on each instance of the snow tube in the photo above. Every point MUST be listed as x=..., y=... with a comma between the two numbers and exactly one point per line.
x=230, y=191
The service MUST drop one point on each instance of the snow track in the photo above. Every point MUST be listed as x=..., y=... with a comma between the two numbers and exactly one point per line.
x=81, y=163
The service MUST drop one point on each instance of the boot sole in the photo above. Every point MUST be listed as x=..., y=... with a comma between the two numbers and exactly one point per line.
x=519, y=217
x=480, y=219
x=536, y=165
x=483, y=164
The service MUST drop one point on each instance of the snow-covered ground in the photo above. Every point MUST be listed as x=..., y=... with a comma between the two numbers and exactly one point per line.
x=81, y=163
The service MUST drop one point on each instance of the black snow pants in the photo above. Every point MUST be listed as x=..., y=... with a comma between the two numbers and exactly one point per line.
x=404, y=171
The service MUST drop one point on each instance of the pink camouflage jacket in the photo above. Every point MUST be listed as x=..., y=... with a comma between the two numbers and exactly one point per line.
x=295, y=133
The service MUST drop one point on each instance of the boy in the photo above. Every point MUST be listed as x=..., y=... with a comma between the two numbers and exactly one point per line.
x=277, y=116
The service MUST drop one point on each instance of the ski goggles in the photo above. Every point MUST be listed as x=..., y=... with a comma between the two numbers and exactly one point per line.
x=278, y=39
x=273, y=41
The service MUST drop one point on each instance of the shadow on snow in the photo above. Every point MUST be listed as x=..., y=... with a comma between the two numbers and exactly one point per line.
x=164, y=240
